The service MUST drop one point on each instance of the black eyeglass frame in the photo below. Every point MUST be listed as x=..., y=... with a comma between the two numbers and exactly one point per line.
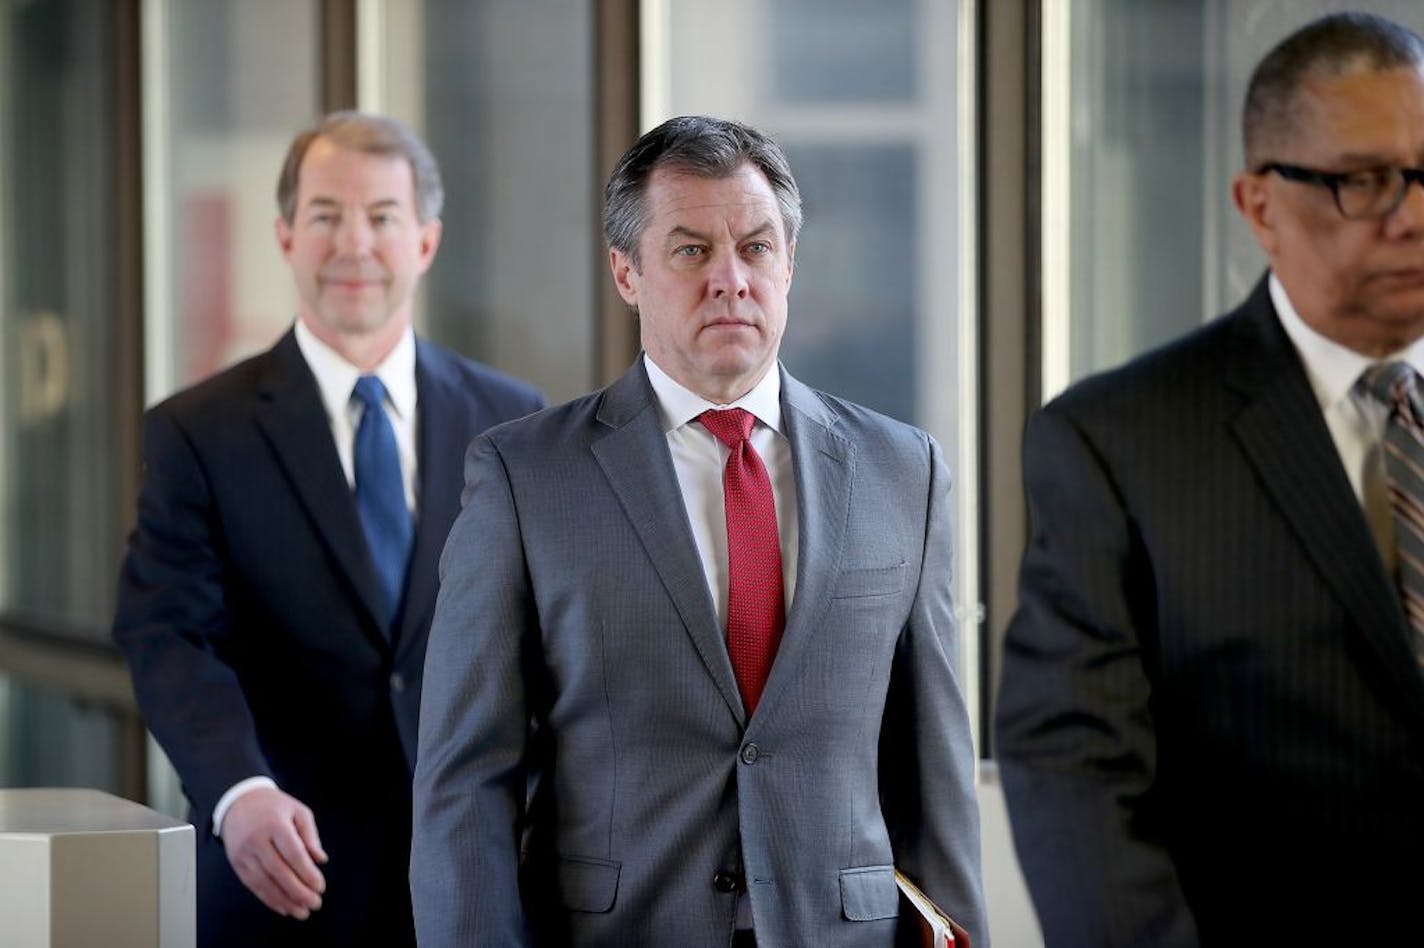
x=1333, y=179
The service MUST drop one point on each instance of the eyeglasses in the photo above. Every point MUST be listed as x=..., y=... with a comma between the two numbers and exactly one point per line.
x=1360, y=195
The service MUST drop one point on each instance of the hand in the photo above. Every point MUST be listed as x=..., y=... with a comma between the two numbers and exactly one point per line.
x=271, y=841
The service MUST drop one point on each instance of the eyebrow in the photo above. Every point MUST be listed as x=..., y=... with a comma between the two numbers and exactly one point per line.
x=765, y=227
x=332, y=202
x=1371, y=159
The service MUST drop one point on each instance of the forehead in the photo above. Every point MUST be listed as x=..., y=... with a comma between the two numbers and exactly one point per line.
x=681, y=199
x=1369, y=114
x=333, y=172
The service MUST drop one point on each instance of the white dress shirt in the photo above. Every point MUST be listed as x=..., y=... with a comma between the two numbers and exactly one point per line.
x=1355, y=418
x=699, y=459
x=336, y=380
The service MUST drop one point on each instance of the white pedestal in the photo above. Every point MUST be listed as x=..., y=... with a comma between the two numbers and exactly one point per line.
x=84, y=869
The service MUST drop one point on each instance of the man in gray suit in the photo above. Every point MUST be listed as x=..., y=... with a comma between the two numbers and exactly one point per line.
x=687, y=688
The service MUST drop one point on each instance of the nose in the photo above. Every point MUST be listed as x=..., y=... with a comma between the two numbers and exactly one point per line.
x=727, y=278
x=354, y=235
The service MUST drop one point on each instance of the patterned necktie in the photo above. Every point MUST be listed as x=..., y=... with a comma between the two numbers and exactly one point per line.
x=380, y=494
x=756, y=608
x=1396, y=385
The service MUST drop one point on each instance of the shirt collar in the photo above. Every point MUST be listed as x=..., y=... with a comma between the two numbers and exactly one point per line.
x=1332, y=368
x=336, y=377
x=678, y=405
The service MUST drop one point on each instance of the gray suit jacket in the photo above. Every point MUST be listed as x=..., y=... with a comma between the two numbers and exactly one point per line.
x=586, y=773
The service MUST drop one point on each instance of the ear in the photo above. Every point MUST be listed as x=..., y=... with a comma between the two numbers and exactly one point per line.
x=625, y=275
x=284, y=237
x=1254, y=199
x=790, y=263
x=430, y=233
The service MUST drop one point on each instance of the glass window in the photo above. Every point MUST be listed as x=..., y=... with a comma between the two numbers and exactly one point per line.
x=502, y=91
x=48, y=739
x=59, y=282
x=60, y=384
x=868, y=101
x=1142, y=112
x=227, y=85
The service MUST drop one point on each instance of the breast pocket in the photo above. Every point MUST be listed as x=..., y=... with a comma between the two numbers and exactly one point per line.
x=864, y=583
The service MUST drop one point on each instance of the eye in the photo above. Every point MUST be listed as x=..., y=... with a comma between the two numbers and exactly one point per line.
x=759, y=247
x=688, y=250
x=1371, y=181
x=382, y=220
x=321, y=217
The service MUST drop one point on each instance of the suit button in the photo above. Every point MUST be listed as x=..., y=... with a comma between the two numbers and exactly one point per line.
x=397, y=683
x=750, y=753
x=725, y=882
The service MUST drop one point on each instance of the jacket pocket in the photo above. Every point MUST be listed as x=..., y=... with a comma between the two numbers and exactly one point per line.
x=589, y=885
x=869, y=893
x=859, y=583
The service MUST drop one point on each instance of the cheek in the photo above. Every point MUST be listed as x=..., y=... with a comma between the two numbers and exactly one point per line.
x=307, y=259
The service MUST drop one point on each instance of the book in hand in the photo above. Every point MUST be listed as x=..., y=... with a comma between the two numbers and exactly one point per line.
x=935, y=928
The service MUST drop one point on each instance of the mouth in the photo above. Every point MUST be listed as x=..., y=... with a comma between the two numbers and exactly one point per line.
x=352, y=284
x=729, y=322
x=1404, y=275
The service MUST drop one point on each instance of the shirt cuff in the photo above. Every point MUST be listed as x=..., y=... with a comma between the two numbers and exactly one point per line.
x=236, y=790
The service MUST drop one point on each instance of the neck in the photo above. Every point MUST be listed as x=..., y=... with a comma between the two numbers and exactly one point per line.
x=363, y=350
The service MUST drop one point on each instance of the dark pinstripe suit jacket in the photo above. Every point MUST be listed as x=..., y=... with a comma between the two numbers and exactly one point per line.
x=1210, y=727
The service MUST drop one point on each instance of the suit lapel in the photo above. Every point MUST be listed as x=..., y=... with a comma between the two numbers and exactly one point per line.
x=1283, y=434
x=823, y=463
x=292, y=419
x=442, y=416
x=634, y=456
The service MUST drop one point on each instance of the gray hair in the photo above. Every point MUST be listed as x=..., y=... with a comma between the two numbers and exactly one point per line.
x=698, y=145
x=1334, y=45
x=371, y=135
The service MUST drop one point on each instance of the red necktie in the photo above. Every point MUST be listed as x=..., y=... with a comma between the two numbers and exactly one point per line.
x=756, y=608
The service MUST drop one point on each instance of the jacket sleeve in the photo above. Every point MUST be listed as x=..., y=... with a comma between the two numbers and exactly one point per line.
x=472, y=764
x=927, y=754
x=173, y=625
x=1077, y=746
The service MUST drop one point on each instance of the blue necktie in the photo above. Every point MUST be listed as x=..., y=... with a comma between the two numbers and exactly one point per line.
x=380, y=494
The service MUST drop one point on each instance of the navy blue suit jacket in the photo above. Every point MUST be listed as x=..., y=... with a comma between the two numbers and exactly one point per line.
x=1211, y=725
x=248, y=609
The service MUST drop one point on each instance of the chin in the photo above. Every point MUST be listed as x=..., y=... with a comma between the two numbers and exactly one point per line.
x=360, y=323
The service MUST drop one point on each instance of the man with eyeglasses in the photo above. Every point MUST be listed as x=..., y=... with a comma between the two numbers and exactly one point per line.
x=1211, y=720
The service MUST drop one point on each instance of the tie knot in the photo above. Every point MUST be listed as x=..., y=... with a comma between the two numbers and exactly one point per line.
x=370, y=391
x=731, y=426
x=1393, y=383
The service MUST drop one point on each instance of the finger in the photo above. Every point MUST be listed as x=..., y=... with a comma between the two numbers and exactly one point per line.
x=275, y=899
x=285, y=878
x=259, y=882
x=306, y=829
x=293, y=851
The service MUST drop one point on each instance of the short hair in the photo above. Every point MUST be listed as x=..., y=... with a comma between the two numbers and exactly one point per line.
x=371, y=135
x=697, y=145
x=1334, y=45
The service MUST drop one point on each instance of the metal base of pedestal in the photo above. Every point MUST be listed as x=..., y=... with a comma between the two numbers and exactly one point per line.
x=84, y=869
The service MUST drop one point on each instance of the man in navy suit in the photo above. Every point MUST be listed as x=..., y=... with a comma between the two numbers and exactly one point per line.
x=1211, y=725
x=279, y=584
